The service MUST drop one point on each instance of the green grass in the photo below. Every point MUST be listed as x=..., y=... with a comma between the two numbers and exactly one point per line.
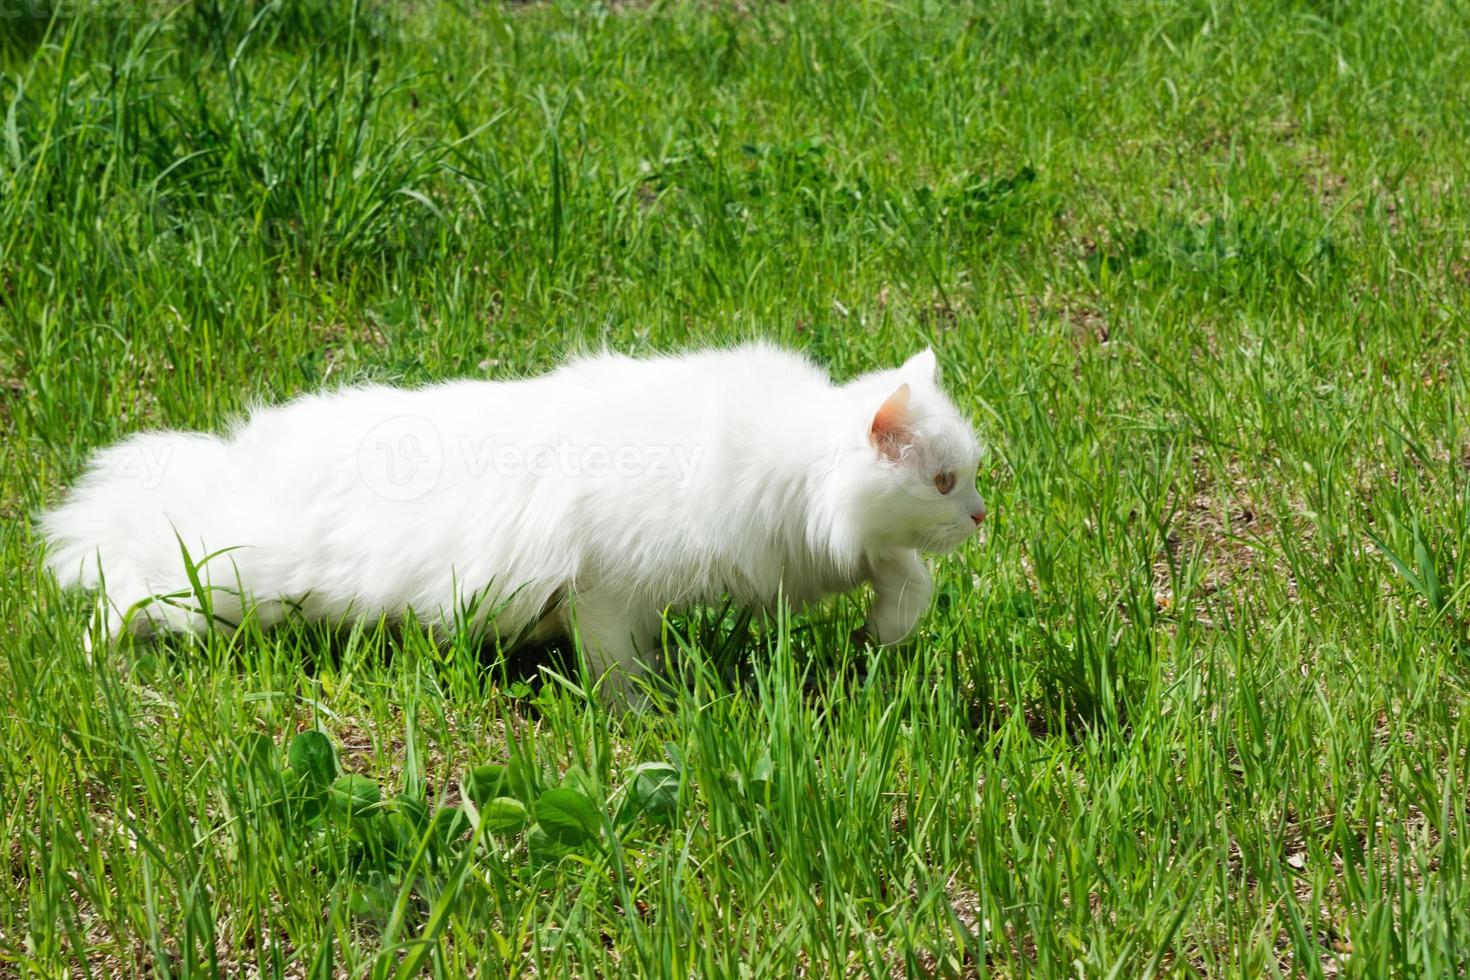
x=1195, y=705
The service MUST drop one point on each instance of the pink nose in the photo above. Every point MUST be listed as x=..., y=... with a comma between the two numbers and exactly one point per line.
x=978, y=516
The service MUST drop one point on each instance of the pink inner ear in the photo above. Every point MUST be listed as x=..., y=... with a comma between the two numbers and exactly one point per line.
x=890, y=432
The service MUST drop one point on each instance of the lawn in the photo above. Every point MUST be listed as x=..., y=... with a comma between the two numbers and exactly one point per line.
x=1193, y=705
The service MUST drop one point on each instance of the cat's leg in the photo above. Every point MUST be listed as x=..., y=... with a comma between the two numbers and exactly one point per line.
x=616, y=642
x=902, y=586
x=105, y=626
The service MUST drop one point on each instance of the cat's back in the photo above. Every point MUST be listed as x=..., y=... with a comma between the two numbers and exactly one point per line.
x=750, y=379
x=601, y=389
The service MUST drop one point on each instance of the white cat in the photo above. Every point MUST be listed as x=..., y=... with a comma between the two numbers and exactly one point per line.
x=585, y=501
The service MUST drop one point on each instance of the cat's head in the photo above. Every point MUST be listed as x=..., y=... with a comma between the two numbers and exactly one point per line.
x=922, y=459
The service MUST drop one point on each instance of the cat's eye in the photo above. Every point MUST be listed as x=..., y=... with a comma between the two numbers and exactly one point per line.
x=944, y=482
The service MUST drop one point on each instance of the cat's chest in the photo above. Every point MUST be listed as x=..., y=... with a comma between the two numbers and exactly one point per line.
x=796, y=578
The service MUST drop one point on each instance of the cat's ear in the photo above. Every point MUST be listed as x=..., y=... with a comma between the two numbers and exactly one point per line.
x=922, y=366
x=891, y=431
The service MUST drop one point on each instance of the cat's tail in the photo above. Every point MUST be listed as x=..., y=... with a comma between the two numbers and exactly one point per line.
x=118, y=531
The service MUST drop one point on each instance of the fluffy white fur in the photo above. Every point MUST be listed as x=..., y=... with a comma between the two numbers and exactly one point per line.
x=588, y=500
